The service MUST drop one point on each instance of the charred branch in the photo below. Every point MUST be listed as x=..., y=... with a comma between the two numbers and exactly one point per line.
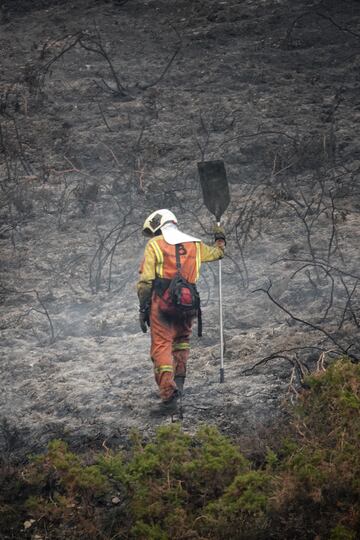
x=342, y=349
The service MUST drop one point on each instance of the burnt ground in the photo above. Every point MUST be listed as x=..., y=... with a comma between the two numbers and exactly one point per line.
x=105, y=110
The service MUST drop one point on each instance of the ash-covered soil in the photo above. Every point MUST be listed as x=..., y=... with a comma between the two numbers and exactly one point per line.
x=105, y=110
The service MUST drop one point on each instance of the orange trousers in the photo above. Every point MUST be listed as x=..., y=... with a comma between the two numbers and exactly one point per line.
x=170, y=348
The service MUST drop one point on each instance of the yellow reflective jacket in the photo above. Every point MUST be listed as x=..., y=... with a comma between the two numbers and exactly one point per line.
x=158, y=262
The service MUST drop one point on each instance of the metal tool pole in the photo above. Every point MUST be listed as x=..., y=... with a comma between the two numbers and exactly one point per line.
x=221, y=323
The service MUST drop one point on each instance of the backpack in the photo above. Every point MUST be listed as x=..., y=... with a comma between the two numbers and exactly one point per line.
x=182, y=295
x=177, y=295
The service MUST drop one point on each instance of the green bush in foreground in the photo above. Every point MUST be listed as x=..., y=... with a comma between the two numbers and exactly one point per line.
x=202, y=487
x=318, y=474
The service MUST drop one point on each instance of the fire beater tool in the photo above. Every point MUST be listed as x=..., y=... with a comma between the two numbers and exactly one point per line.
x=215, y=189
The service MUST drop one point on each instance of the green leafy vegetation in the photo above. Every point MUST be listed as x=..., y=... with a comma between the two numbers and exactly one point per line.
x=202, y=487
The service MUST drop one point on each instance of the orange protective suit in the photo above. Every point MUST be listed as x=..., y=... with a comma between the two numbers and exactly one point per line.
x=170, y=333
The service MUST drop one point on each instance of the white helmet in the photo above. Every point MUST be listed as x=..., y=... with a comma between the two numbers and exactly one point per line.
x=156, y=220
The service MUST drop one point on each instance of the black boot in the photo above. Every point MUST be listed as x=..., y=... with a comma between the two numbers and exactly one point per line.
x=180, y=381
x=170, y=405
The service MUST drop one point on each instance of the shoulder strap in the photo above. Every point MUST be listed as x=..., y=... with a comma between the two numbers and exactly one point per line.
x=177, y=255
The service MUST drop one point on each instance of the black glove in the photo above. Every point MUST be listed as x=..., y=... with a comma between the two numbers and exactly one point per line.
x=219, y=233
x=144, y=318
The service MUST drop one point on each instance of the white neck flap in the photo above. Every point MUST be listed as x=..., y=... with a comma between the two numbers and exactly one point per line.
x=173, y=236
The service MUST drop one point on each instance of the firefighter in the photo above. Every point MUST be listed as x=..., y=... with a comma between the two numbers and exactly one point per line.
x=168, y=251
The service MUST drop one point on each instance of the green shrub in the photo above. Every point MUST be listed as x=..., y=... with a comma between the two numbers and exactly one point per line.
x=318, y=478
x=142, y=531
x=201, y=487
x=112, y=466
x=64, y=469
x=243, y=508
x=214, y=464
x=172, y=478
x=65, y=492
x=342, y=533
